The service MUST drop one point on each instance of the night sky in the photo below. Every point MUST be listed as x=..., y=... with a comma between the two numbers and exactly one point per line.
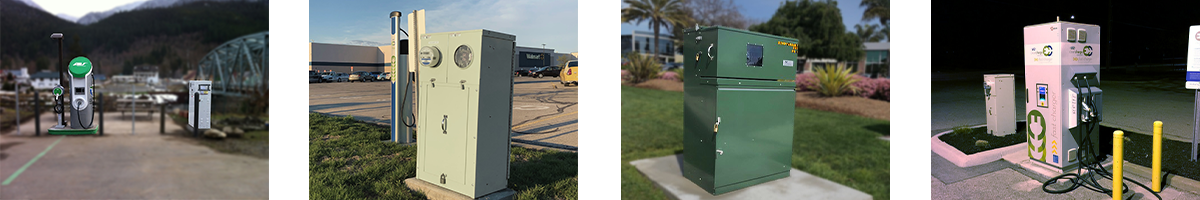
x=987, y=35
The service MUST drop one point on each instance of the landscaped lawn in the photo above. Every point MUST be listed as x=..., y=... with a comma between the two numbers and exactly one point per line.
x=839, y=147
x=348, y=159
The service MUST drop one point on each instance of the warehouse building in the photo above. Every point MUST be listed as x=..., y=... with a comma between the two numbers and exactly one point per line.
x=349, y=58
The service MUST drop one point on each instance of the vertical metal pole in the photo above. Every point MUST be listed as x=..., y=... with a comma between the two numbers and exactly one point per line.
x=133, y=114
x=196, y=116
x=37, y=110
x=1196, y=127
x=162, y=122
x=17, y=104
x=100, y=106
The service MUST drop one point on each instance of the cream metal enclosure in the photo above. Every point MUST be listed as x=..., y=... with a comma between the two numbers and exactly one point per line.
x=465, y=110
x=200, y=104
x=998, y=90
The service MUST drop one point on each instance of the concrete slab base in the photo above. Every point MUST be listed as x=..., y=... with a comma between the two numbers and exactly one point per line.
x=435, y=192
x=668, y=176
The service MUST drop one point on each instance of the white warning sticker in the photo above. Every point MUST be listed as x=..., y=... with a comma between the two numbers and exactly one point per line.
x=789, y=63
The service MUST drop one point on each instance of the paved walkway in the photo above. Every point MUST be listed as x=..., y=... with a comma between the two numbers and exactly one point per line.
x=1128, y=105
x=124, y=165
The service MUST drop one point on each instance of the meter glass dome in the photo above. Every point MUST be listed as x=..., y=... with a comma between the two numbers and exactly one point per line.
x=430, y=56
x=462, y=56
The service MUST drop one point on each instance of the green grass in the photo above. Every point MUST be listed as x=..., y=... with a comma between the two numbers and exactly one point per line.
x=839, y=147
x=349, y=160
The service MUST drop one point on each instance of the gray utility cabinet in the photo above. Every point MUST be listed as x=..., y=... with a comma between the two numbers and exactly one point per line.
x=465, y=110
x=998, y=91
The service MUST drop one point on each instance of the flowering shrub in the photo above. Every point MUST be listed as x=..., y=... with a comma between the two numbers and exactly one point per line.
x=873, y=88
x=669, y=75
x=625, y=76
x=806, y=82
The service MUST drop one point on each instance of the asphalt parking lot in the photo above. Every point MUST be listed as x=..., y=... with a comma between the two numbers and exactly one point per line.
x=124, y=164
x=545, y=114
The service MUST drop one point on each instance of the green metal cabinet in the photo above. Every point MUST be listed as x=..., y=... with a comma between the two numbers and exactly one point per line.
x=738, y=107
x=465, y=110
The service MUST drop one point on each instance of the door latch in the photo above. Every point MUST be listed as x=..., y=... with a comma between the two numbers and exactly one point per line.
x=716, y=125
x=443, y=179
x=444, y=123
x=719, y=152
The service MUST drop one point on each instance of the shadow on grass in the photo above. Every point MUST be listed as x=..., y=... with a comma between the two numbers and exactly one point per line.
x=882, y=129
x=347, y=160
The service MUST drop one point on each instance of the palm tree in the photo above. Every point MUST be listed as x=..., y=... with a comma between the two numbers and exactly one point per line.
x=869, y=33
x=876, y=9
x=658, y=12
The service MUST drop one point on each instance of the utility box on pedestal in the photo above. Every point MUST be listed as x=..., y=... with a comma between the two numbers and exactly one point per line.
x=1063, y=106
x=466, y=105
x=200, y=104
x=998, y=90
x=739, y=107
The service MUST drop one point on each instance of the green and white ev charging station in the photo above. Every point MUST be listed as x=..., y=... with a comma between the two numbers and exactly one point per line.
x=1063, y=104
x=739, y=108
x=80, y=91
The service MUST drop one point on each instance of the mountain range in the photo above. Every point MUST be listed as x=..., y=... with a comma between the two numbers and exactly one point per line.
x=93, y=17
x=173, y=34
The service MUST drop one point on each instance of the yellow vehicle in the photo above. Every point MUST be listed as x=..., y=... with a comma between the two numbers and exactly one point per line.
x=570, y=73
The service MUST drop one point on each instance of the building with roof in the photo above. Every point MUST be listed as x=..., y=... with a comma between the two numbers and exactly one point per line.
x=349, y=58
x=642, y=42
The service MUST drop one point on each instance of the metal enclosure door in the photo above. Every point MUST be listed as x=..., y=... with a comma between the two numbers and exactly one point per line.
x=754, y=137
x=445, y=128
x=1001, y=104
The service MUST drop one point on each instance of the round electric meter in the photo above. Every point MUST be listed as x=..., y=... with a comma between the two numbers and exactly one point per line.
x=429, y=56
x=462, y=56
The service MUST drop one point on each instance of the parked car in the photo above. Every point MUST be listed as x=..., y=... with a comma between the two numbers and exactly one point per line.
x=337, y=77
x=327, y=77
x=374, y=76
x=571, y=74
x=360, y=76
x=523, y=71
x=314, y=77
x=386, y=76
x=546, y=71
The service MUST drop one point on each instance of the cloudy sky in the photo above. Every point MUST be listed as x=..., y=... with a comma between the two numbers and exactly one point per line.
x=79, y=8
x=534, y=22
x=762, y=10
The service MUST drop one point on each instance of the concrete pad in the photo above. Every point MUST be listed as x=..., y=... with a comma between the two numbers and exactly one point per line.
x=666, y=173
x=435, y=192
x=949, y=173
x=961, y=159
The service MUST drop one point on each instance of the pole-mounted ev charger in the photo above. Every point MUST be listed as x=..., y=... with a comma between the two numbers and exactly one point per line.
x=80, y=91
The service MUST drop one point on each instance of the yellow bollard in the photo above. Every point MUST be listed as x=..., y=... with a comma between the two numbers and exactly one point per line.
x=1156, y=160
x=1118, y=161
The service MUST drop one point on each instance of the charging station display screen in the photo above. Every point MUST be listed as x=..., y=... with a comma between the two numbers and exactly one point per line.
x=203, y=87
x=1041, y=90
x=79, y=91
x=754, y=55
